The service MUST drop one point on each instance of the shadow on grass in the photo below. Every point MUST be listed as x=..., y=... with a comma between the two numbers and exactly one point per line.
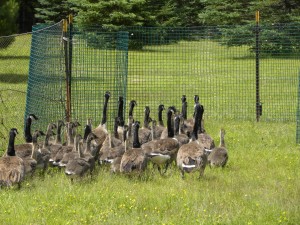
x=13, y=78
x=8, y=57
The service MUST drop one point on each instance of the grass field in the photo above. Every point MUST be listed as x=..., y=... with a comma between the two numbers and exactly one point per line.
x=260, y=184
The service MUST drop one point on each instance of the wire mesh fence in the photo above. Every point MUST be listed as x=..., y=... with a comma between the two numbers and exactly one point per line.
x=158, y=65
x=14, y=61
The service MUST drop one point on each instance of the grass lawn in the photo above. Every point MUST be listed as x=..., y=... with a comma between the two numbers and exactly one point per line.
x=259, y=185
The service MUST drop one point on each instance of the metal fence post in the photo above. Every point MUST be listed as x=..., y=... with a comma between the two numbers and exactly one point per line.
x=258, y=103
x=67, y=66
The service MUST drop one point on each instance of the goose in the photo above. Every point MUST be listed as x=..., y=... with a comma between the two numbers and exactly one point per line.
x=54, y=148
x=71, y=130
x=120, y=117
x=100, y=131
x=134, y=159
x=117, y=137
x=132, y=104
x=110, y=142
x=165, y=150
x=117, y=152
x=42, y=155
x=12, y=168
x=192, y=156
x=24, y=150
x=85, y=161
x=165, y=132
x=203, y=136
x=87, y=154
x=145, y=132
x=30, y=162
x=72, y=154
x=160, y=126
x=188, y=122
x=179, y=134
x=219, y=155
x=27, y=130
x=148, y=146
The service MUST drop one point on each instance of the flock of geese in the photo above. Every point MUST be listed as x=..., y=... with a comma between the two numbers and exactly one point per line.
x=129, y=149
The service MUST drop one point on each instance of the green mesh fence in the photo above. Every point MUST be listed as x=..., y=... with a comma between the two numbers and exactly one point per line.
x=158, y=65
x=14, y=58
x=46, y=80
x=218, y=64
x=99, y=64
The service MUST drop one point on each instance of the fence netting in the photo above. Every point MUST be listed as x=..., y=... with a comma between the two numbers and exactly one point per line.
x=155, y=65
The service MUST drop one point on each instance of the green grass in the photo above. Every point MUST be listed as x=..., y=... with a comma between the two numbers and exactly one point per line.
x=259, y=185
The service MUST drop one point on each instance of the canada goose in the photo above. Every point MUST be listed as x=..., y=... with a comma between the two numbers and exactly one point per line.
x=71, y=154
x=87, y=154
x=100, y=131
x=219, y=155
x=179, y=135
x=165, y=150
x=111, y=141
x=85, y=161
x=120, y=117
x=145, y=132
x=117, y=137
x=203, y=136
x=165, y=132
x=24, y=150
x=188, y=122
x=132, y=104
x=27, y=130
x=87, y=129
x=30, y=162
x=192, y=156
x=42, y=155
x=148, y=146
x=134, y=158
x=12, y=168
x=160, y=126
x=54, y=148
x=71, y=130
x=117, y=152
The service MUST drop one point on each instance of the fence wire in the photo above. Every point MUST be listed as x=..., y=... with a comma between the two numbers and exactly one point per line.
x=157, y=66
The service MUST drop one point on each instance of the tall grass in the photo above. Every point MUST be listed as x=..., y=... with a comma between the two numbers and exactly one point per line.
x=259, y=185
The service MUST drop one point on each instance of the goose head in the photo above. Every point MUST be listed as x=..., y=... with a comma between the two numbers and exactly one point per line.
x=132, y=104
x=183, y=98
x=107, y=95
x=12, y=135
x=196, y=99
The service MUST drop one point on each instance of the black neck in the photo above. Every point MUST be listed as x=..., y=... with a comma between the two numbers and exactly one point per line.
x=120, y=109
x=116, y=125
x=27, y=130
x=87, y=131
x=176, y=124
x=160, y=120
x=146, y=119
x=184, y=110
x=169, y=125
x=136, y=143
x=131, y=109
x=198, y=117
x=11, y=145
x=104, y=112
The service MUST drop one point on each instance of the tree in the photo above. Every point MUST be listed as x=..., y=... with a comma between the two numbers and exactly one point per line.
x=52, y=11
x=8, y=17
